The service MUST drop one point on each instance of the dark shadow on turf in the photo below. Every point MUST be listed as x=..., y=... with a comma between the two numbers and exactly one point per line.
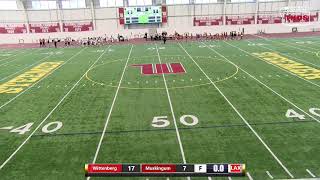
x=172, y=129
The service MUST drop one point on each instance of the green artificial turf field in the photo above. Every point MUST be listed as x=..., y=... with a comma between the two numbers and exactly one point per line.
x=218, y=103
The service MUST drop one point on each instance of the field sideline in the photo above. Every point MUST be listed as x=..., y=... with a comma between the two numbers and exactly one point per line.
x=219, y=101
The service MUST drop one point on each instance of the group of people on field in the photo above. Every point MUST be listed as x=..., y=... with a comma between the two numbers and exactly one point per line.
x=233, y=35
x=103, y=40
x=157, y=37
x=48, y=42
x=88, y=41
x=45, y=42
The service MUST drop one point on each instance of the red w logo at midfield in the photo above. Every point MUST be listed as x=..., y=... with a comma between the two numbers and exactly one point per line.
x=155, y=69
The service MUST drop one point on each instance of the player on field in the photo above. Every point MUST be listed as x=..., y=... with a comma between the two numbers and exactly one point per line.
x=164, y=37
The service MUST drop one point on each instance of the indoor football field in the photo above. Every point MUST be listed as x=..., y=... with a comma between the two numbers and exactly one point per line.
x=254, y=101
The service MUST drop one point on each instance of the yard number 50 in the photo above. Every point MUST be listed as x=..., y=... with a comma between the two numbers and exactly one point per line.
x=162, y=121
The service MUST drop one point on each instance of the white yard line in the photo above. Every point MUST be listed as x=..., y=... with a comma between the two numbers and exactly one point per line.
x=307, y=62
x=12, y=56
x=293, y=42
x=282, y=97
x=311, y=174
x=229, y=178
x=15, y=97
x=25, y=68
x=249, y=176
x=16, y=58
x=6, y=128
x=9, y=51
x=273, y=65
x=172, y=112
x=301, y=179
x=284, y=44
x=61, y=100
x=269, y=174
x=240, y=115
x=110, y=111
x=209, y=178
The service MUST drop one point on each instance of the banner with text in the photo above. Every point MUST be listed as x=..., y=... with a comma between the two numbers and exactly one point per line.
x=44, y=27
x=77, y=27
x=13, y=28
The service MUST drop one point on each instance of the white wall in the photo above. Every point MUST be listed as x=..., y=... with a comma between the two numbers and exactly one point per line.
x=43, y=16
x=271, y=6
x=12, y=16
x=180, y=19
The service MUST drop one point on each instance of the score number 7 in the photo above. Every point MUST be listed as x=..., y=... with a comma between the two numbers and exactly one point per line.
x=184, y=168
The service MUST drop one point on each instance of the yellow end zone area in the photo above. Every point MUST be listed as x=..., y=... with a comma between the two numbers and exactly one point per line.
x=302, y=70
x=26, y=79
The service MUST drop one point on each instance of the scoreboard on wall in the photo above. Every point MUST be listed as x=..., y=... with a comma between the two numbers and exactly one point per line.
x=143, y=15
x=212, y=169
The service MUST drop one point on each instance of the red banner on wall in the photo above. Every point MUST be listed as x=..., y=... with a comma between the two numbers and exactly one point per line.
x=13, y=28
x=239, y=19
x=164, y=14
x=207, y=21
x=121, y=16
x=78, y=27
x=44, y=27
x=300, y=18
x=269, y=19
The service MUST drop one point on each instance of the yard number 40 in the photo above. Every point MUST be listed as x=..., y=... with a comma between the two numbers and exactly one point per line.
x=293, y=114
x=162, y=121
x=48, y=128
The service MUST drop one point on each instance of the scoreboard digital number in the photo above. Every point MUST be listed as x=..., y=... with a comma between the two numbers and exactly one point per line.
x=213, y=169
x=143, y=15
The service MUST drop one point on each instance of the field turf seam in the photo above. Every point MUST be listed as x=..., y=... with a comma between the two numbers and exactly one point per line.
x=17, y=58
x=50, y=113
x=12, y=56
x=21, y=93
x=315, y=84
x=111, y=109
x=266, y=86
x=172, y=112
x=266, y=39
x=290, y=56
x=236, y=110
x=172, y=129
x=4, y=78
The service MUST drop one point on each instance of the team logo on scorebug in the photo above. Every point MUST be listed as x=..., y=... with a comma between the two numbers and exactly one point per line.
x=157, y=69
x=235, y=168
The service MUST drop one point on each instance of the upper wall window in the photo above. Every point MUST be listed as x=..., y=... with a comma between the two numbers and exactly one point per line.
x=111, y=3
x=11, y=5
x=72, y=4
x=139, y=2
x=178, y=2
x=205, y=1
x=44, y=5
x=268, y=0
x=236, y=1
